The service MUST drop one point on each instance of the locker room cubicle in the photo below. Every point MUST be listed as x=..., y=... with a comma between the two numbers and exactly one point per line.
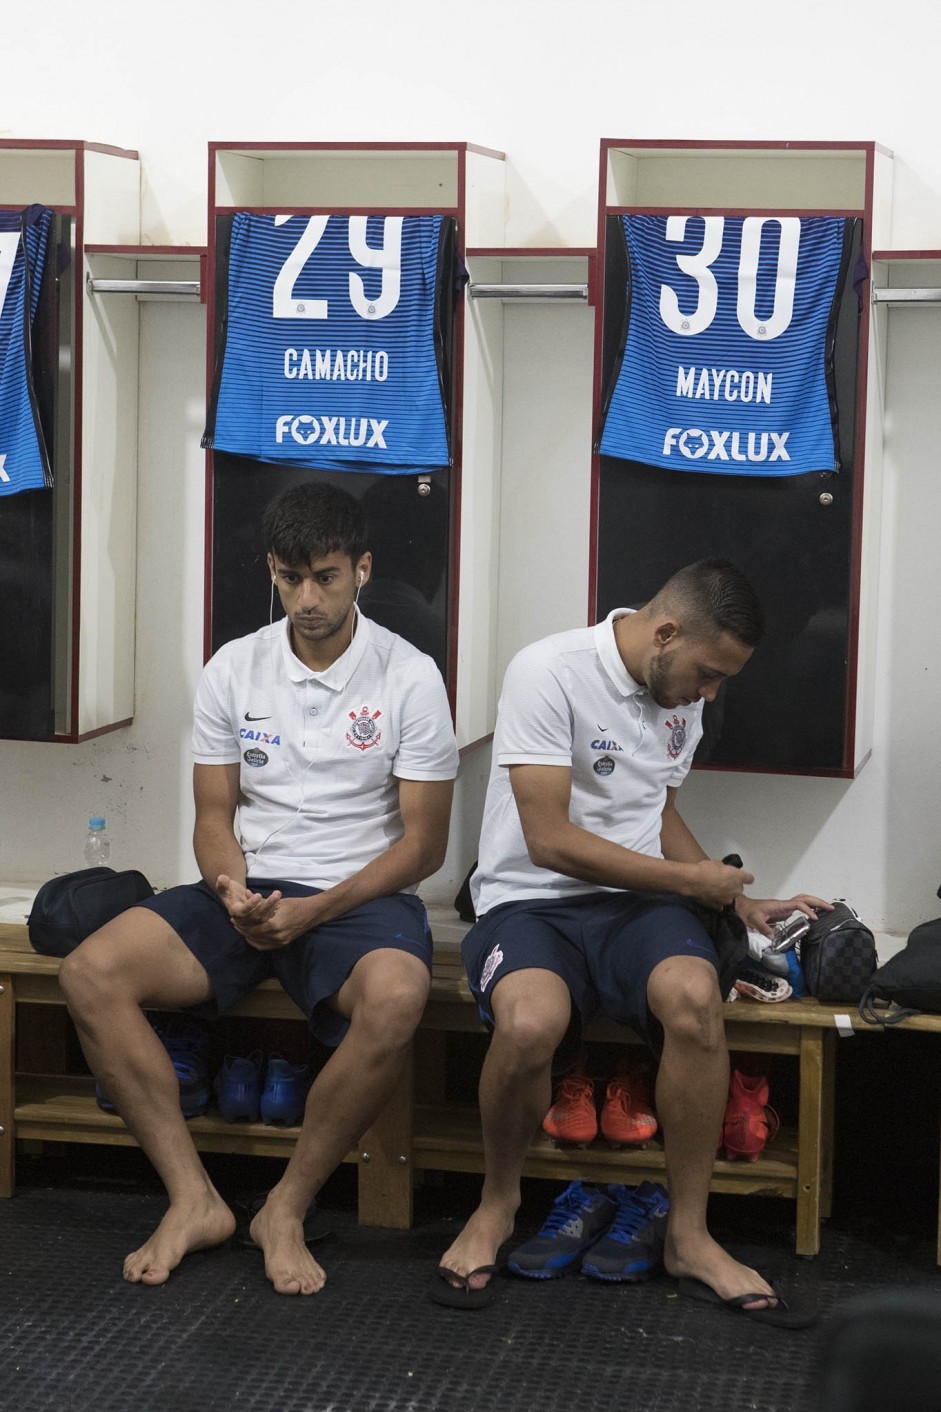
x=810, y=541
x=803, y=704
x=433, y=575
x=67, y=553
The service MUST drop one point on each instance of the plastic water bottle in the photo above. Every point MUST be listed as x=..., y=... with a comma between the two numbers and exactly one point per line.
x=97, y=843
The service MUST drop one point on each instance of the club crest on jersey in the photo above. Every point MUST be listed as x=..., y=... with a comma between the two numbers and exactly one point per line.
x=363, y=734
x=677, y=729
x=490, y=966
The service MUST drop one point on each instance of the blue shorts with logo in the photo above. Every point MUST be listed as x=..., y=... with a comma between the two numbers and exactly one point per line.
x=604, y=945
x=311, y=968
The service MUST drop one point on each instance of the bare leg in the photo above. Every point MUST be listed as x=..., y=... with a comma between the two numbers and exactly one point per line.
x=384, y=997
x=532, y=1010
x=692, y=1086
x=139, y=960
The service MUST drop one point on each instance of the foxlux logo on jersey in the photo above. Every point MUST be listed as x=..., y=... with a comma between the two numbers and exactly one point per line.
x=694, y=443
x=307, y=430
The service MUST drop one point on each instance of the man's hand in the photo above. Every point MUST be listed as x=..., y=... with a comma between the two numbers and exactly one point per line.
x=716, y=884
x=760, y=914
x=266, y=923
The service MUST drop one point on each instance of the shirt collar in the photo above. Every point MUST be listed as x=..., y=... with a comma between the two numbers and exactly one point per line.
x=339, y=672
x=607, y=650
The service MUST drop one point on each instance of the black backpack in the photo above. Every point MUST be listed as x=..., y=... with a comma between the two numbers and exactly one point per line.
x=911, y=978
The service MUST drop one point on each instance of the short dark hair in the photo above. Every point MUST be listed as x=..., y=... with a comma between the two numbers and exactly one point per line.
x=309, y=521
x=710, y=596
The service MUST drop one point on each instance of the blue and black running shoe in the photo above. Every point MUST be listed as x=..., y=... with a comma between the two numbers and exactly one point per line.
x=632, y=1248
x=285, y=1092
x=579, y=1217
x=238, y=1087
x=187, y=1042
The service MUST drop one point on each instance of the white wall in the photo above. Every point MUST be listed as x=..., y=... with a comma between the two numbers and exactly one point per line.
x=544, y=83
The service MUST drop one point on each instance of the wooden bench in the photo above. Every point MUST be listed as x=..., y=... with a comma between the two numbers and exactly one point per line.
x=41, y=1101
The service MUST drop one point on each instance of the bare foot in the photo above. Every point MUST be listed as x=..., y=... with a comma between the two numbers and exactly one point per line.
x=289, y=1265
x=708, y=1262
x=478, y=1244
x=195, y=1226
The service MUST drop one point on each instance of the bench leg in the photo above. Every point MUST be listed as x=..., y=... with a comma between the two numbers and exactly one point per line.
x=385, y=1166
x=814, y=1139
x=7, y=1085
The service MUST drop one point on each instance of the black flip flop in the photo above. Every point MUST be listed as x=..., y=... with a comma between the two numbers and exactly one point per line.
x=454, y=1291
x=315, y=1224
x=781, y=1315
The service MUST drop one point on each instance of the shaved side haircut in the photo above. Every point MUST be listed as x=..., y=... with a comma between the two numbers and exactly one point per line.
x=709, y=597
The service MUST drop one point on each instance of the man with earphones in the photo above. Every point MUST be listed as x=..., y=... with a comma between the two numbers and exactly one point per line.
x=591, y=894
x=324, y=760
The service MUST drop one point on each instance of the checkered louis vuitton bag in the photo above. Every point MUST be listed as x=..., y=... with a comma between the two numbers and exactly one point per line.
x=838, y=955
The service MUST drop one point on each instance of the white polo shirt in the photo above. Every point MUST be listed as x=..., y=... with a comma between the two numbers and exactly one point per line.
x=320, y=753
x=569, y=700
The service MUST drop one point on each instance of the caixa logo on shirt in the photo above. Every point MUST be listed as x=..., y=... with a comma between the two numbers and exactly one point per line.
x=262, y=737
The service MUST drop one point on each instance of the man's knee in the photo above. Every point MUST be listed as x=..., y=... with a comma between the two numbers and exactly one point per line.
x=87, y=976
x=532, y=1011
x=137, y=958
x=683, y=993
x=387, y=998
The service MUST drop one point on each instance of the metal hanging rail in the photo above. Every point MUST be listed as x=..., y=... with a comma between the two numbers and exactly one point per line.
x=155, y=288
x=544, y=292
x=899, y=295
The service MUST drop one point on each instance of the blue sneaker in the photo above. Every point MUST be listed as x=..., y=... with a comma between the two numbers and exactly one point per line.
x=238, y=1087
x=579, y=1216
x=285, y=1092
x=632, y=1248
x=186, y=1040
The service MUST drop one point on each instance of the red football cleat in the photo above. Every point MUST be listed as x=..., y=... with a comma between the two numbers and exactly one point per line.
x=749, y=1123
x=572, y=1117
x=627, y=1117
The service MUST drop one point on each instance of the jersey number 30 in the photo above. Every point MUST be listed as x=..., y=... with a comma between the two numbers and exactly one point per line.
x=697, y=266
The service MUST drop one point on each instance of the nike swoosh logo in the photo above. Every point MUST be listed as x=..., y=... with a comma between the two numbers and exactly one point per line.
x=603, y=729
x=256, y=718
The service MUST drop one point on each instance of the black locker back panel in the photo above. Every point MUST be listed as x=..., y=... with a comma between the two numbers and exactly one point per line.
x=27, y=555
x=408, y=536
x=787, y=710
x=408, y=517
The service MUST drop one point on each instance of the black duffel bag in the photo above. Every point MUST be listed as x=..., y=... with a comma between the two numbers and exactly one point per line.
x=69, y=908
x=838, y=955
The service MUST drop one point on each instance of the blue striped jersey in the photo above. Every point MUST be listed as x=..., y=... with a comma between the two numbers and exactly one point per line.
x=727, y=360
x=332, y=354
x=24, y=240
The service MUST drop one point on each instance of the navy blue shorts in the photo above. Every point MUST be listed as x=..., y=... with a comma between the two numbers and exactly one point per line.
x=603, y=945
x=311, y=968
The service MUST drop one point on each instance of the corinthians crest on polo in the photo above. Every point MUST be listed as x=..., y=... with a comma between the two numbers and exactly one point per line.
x=677, y=730
x=364, y=733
